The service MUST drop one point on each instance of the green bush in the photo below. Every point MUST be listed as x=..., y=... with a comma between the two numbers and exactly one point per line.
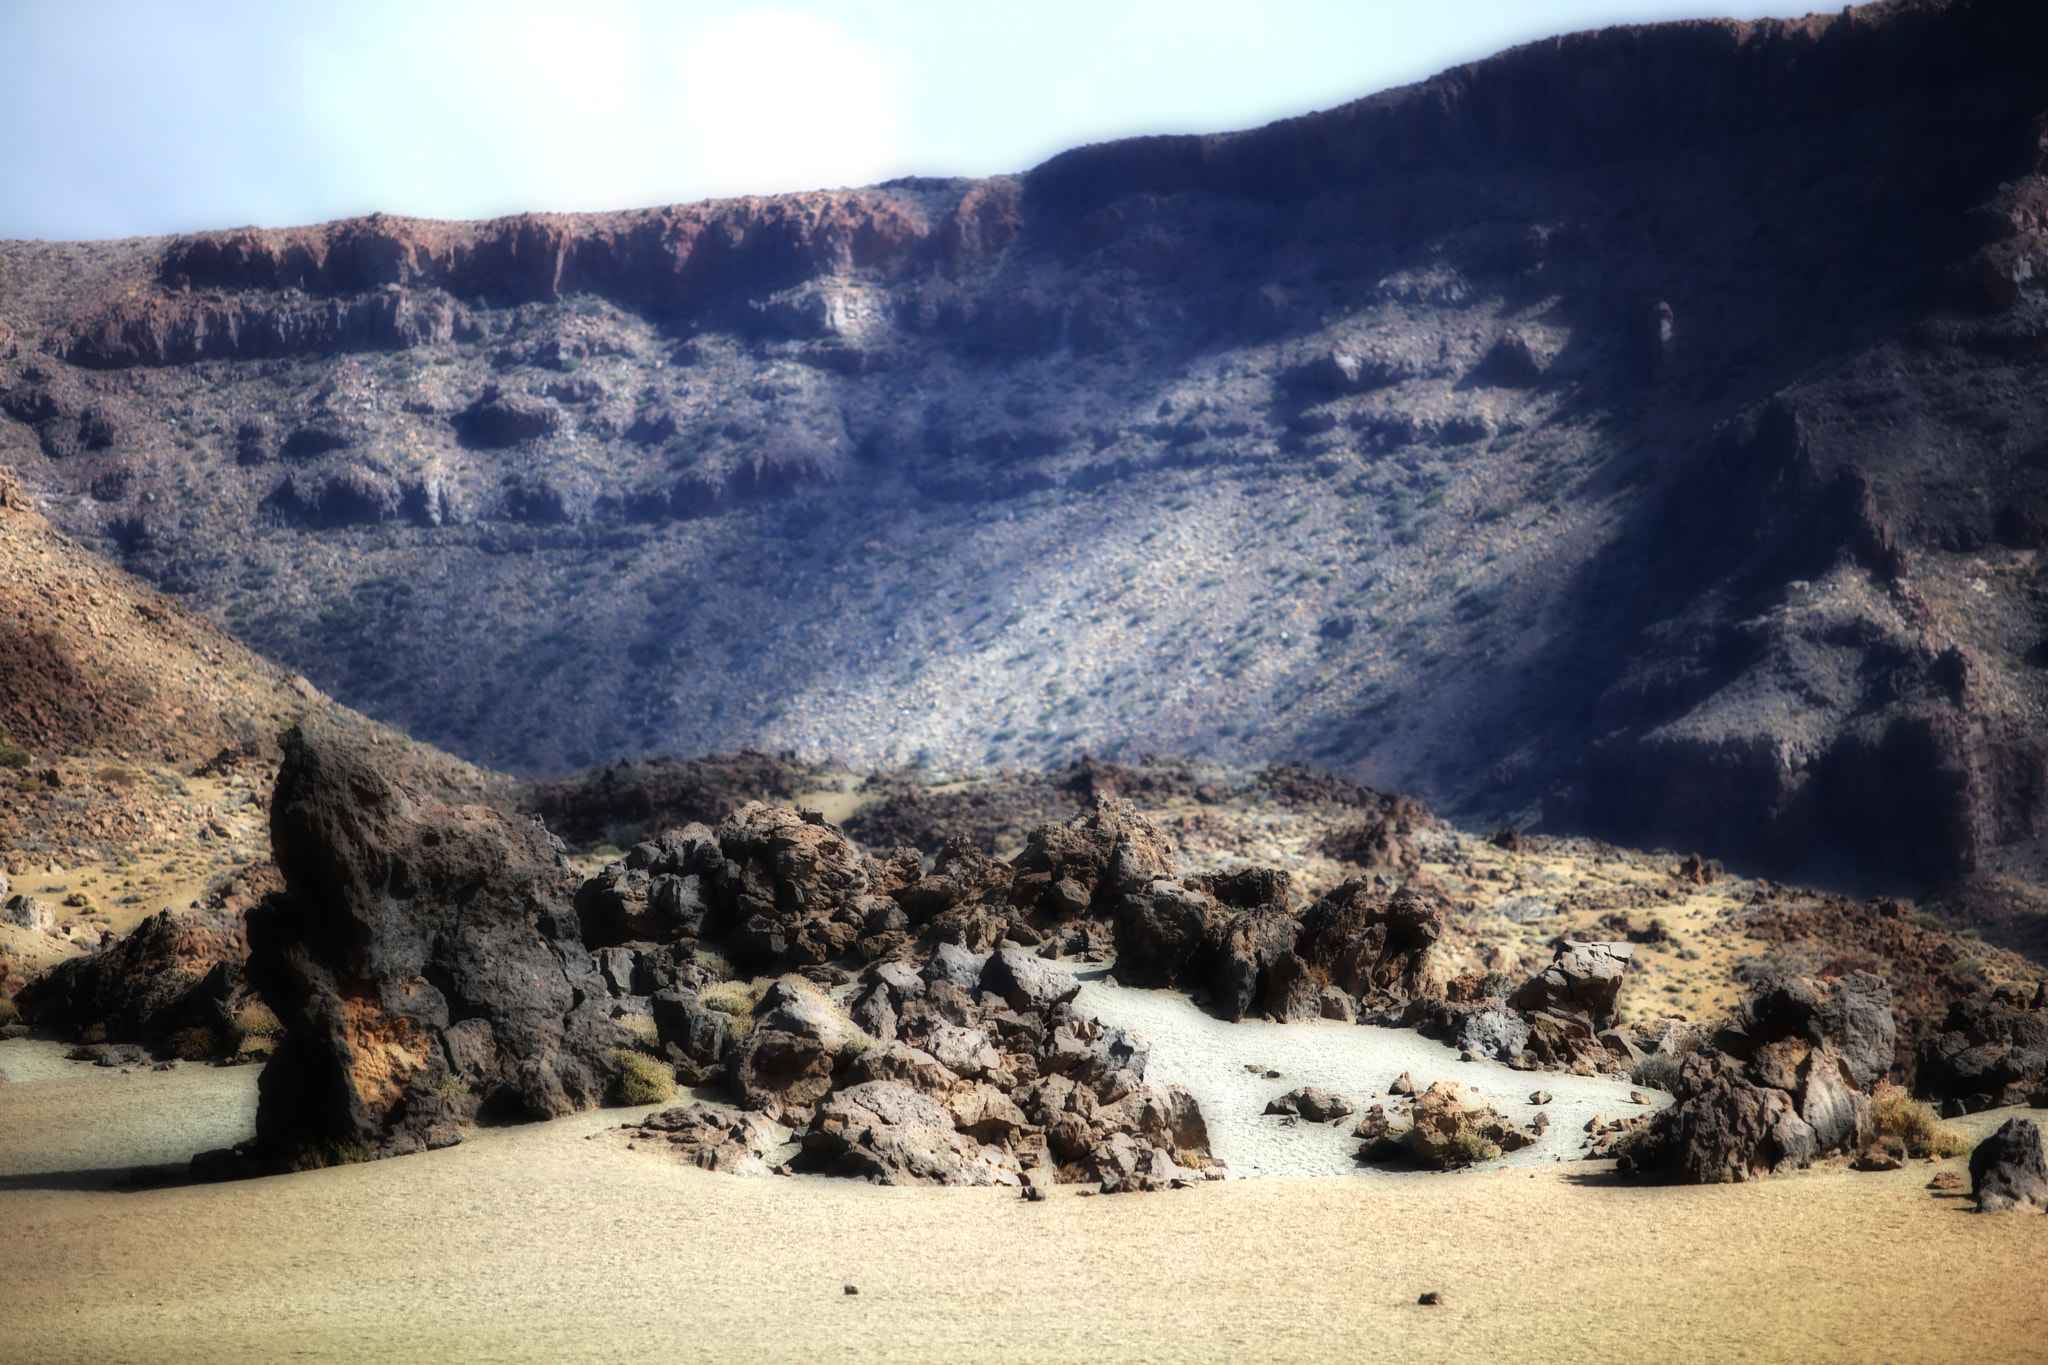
x=8, y=1012
x=643, y=1080
x=13, y=756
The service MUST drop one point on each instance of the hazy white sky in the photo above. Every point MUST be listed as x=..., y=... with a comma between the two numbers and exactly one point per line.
x=134, y=117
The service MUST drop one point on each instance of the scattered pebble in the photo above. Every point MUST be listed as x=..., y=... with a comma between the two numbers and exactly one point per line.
x=1433, y=1298
x=852, y=1289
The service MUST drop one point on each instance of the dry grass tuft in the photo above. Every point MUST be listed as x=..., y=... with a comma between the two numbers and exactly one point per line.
x=1897, y=1114
x=643, y=1080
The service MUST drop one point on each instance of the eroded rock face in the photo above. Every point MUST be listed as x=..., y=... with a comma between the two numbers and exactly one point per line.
x=425, y=960
x=1786, y=1087
x=1579, y=987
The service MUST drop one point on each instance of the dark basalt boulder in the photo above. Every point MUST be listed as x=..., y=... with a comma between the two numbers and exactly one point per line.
x=1313, y=1103
x=1254, y=950
x=1790, y=1084
x=1991, y=1052
x=1162, y=935
x=425, y=960
x=2007, y=1171
x=1027, y=982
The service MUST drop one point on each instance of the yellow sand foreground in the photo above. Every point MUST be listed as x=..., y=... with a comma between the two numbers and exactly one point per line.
x=539, y=1244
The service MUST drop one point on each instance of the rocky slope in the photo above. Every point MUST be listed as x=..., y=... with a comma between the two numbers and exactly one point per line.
x=137, y=750
x=1639, y=431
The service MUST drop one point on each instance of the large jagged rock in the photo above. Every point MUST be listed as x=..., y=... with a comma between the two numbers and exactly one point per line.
x=1374, y=946
x=1786, y=1086
x=798, y=874
x=785, y=1065
x=1255, y=951
x=1026, y=982
x=175, y=983
x=2007, y=1171
x=893, y=1135
x=1454, y=1125
x=1090, y=861
x=1162, y=935
x=1991, y=1051
x=425, y=960
x=1579, y=987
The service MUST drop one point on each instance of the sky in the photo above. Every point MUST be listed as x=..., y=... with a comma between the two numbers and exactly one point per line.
x=144, y=117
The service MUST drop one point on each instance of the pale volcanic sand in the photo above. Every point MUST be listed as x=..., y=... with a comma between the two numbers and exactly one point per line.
x=533, y=1244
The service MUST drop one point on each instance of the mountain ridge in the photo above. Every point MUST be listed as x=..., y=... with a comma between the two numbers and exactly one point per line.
x=1635, y=432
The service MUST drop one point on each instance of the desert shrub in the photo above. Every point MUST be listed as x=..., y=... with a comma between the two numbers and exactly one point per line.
x=119, y=777
x=315, y=1156
x=93, y=1034
x=642, y=1080
x=257, y=1021
x=641, y=1032
x=1926, y=920
x=452, y=1084
x=1659, y=1072
x=854, y=1046
x=9, y=1012
x=194, y=1043
x=1897, y=1114
x=738, y=1002
x=13, y=756
x=1472, y=1147
x=1496, y=985
x=1073, y=1173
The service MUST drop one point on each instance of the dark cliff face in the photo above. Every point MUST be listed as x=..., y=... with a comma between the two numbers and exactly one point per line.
x=1641, y=429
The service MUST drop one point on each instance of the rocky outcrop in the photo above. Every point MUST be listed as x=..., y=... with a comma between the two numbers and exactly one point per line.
x=1990, y=1052
x=385, y=283
x=1787, y=1085
x=2007, y=1171
x=426, y=961
x=1450, y=1124
x=1374, y=946
x=980, y=1086
x=714, y=1139
x=175, y=984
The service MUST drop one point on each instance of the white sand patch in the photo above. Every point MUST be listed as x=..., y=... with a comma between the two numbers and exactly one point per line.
x=1210, y=1056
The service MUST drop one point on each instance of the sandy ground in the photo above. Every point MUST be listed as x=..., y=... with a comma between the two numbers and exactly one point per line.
x=537, y=1244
